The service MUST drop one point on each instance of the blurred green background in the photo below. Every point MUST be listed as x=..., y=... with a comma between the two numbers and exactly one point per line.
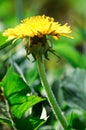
x=63, y=11
x=66, y=75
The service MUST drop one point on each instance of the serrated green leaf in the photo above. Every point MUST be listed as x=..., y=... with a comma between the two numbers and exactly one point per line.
x=13, y=83
x=36, y=123
x=29, y=123
x=19, y=108
x=18, y=94
x=74, y=88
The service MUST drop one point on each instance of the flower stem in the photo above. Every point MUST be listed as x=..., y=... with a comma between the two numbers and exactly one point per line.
x=55, y=107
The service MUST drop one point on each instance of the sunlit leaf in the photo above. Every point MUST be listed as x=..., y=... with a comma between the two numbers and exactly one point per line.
x=23, y=104
x=18, y=94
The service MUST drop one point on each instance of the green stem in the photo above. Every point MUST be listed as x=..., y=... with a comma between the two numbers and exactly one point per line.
x=55, y=107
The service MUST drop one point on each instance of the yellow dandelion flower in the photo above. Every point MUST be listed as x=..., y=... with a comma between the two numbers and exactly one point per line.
x=38, y=26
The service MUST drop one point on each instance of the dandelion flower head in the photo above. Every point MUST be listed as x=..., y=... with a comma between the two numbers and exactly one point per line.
x=38, y=26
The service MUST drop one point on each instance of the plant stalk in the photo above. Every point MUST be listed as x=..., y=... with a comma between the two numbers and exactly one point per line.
x=54, y=105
